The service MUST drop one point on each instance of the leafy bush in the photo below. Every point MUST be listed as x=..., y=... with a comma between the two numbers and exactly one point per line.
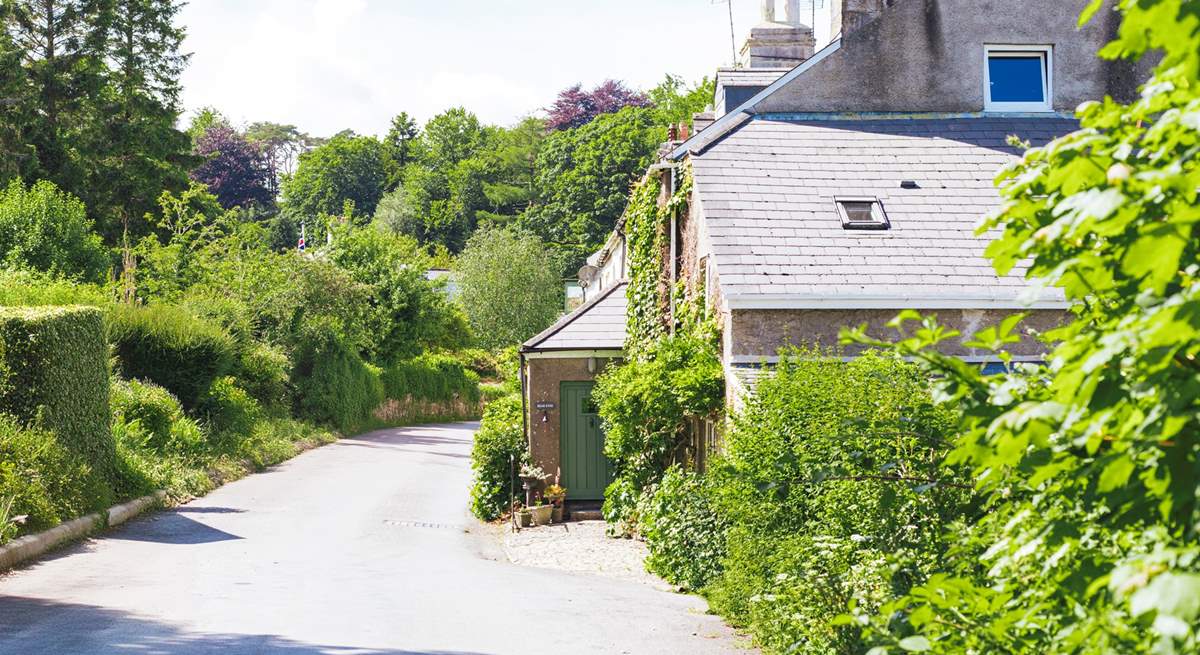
x=408, y=314
x=43, y=481
x=499, y=443
x=229, y=413
x=833, y=487
x=262, y=371
x=31, y=288
x=46, y=229
x=646, y=404
x=1088, y=466
x=170, y=347
x=54, y=373
x=684, y=532
x=158, y=413
x=333, y=385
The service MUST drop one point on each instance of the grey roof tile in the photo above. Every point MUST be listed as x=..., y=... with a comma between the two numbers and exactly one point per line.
x=596, y=325
x=767, y=191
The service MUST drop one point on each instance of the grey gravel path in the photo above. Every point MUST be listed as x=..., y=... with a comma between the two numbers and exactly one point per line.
x=361, y=547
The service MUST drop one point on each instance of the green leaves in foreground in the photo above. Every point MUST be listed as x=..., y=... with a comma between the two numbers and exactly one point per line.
x=1090, y=465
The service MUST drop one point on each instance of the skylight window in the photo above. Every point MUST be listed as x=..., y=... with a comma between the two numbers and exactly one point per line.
x=1018, y=78
x=862, y=214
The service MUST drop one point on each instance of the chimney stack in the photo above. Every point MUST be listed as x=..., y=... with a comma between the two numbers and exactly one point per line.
x=773, y=44
x=849, y=15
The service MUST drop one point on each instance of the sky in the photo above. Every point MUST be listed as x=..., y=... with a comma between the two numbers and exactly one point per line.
x=329, y=65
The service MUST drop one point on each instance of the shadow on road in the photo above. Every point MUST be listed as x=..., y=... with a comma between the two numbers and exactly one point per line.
x=171, y=528
x=30, y=625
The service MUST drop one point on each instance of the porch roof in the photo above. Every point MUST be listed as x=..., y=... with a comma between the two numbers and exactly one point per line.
x=598, y=324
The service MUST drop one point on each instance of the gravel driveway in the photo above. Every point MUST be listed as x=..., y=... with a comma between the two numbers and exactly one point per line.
x=360, y=547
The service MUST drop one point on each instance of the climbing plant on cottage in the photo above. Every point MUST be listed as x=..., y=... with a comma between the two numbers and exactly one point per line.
x=673, y=373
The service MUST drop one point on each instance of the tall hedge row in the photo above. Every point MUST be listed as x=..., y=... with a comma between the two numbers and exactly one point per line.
x=54, y=372
x=171, y=348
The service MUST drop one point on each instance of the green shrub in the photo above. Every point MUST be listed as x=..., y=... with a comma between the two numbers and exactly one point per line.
x=47, y=229
x=158, y=413
x=42, y=481
x=229, y=412
x=646, y=404
x=230, y=314
x=170, y=347
x=499, y=443
x=833, y=486
x=682, y=529
x=262, y=371
x=333, y=385
x=433, y=378
x=54, y=373
x=31, y=288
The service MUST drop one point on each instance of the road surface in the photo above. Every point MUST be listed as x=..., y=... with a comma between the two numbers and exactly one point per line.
x=361, y=547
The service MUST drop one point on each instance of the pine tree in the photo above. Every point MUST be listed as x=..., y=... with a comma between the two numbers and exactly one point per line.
x=60, y=44
x=140, y=152
x=18, y=158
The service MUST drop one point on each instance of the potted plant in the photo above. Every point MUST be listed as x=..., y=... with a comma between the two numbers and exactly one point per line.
x=543, y=513
x=557, y=495
x=532, y=479
x=524, y=516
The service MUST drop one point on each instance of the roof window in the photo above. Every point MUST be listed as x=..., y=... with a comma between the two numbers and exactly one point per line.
x=862, y=214
x=1018, y=78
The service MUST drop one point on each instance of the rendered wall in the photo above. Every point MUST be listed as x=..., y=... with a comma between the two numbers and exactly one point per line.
x=928, y=56
x=760, y=333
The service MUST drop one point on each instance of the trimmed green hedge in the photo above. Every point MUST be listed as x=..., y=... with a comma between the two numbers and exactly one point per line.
x=435, y=378
x=54, y=373
x=171, y=348
x=42, y=481
x=333, y=384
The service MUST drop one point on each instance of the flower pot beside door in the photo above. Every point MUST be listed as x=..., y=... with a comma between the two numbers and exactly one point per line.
x=542, y=514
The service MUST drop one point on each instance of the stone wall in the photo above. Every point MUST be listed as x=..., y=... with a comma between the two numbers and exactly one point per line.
x=928, y=56
x=544, y=377
x=759, y=333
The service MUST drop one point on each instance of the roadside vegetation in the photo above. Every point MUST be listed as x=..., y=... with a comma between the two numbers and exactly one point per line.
x=163, y=328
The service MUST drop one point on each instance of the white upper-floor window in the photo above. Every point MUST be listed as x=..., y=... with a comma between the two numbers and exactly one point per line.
x=1018, y=78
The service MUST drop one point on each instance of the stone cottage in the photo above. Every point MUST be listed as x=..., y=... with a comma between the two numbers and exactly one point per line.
x=849, y=186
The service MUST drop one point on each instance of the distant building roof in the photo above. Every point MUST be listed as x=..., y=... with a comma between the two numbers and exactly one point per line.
x=598, y=324
x=749, y=76
x=767, y=192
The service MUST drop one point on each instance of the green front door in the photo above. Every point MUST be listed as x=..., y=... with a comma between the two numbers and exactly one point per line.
x=585, y=469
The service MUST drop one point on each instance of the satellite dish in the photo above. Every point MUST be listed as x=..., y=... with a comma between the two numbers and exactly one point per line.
x=587, y=273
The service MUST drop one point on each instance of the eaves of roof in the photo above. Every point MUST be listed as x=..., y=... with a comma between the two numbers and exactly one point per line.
x=562, y=323
x=745, y=111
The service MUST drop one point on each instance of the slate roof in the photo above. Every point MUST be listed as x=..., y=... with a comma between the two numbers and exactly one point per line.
x=767, y=193
x=598, y=324
x=749, y=76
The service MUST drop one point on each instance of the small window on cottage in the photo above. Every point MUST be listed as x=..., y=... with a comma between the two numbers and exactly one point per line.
x=862, y=214
x=1018, y=78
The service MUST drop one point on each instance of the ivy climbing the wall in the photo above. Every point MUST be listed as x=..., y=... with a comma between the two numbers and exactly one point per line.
x=672, y=374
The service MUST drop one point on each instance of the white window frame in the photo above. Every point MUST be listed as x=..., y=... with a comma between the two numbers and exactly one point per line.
x=1047, y=53
x=880, y=220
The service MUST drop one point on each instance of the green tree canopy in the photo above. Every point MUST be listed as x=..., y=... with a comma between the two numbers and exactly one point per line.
x=345, y=168
x=510, y=286
x=583, y=178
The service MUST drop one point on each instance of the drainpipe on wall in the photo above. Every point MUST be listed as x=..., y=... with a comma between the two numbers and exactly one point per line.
x=524, y=403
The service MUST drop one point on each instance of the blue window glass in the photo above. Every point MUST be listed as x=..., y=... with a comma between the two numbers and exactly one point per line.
x=1016, y=79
